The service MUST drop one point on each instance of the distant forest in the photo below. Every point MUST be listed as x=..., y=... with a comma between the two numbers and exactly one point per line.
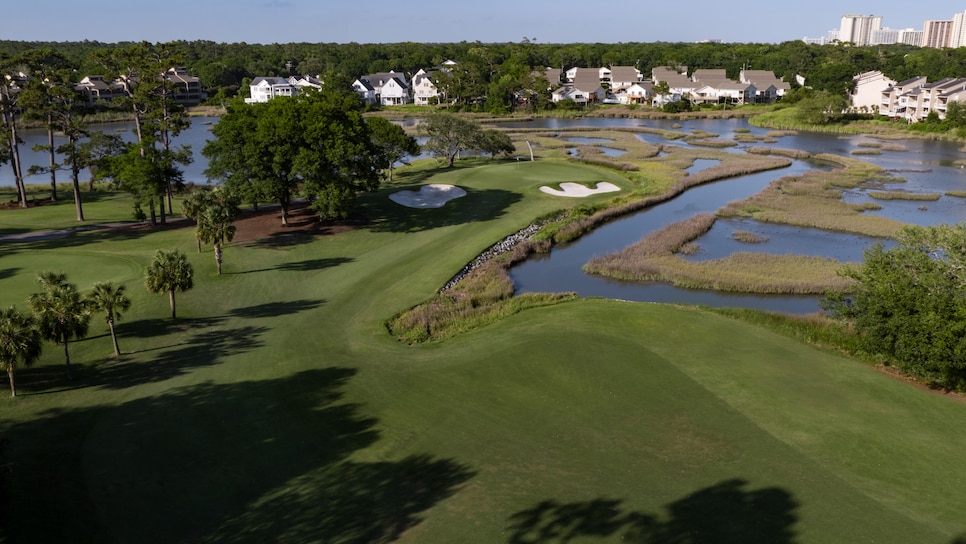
x=224, y=68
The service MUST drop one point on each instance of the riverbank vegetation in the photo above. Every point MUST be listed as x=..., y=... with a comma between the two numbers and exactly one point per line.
x=657, y=258
x=814, y=200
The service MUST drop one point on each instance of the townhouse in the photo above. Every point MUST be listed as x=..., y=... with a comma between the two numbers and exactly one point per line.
x=914, y=99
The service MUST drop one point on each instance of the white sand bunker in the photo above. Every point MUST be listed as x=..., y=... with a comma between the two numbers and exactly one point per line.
x=578, y=191
x=434, y=195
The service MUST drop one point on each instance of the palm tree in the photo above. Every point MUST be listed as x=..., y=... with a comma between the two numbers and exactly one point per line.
x=193, y=206
x=169, y=272
x=112, y=301
x=215, y=222
x=20, y=342
x=60, y=312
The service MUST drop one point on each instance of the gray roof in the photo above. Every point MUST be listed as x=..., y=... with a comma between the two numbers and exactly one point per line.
x=624, y=73
x=377, y=80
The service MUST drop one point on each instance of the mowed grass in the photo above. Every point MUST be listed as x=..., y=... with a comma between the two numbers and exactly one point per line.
x=278, y=408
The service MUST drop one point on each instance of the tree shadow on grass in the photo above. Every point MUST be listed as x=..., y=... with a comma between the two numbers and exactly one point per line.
x=151, y=328
x=87, y=234
x=251, y=461
x=304, y=266
x=276, y=309
x=199, y=350
x=725, y=513
x=477, y=205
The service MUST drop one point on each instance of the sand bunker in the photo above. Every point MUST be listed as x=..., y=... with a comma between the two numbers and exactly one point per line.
x=434, y=195
x=577, y=190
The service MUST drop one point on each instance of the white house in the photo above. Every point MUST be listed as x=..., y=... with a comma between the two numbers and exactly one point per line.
x=866, y=95
x=636, y=94
x=385, y=88
x=425, y=91
x=263, y=89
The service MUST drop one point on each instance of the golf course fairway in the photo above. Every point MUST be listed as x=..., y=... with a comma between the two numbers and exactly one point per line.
x=277, y=407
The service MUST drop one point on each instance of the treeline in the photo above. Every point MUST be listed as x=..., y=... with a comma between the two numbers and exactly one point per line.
x=224, y=67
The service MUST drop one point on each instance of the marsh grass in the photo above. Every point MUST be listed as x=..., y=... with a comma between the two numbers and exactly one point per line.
x=746, y=237
x=712, y=142
x=814, y=200
x=900, y=195
x=895, y=147
x=867, y=152
x=790, y=153
x=957, y=194
x=653, y=259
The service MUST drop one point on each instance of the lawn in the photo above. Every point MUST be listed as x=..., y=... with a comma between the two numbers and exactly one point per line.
x=277, y=408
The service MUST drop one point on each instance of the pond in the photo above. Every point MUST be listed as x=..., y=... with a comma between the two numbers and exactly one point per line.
x=918, y=166
x=195, y=136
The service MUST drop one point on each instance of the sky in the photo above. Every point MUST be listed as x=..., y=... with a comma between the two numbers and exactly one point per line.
x=489, y=21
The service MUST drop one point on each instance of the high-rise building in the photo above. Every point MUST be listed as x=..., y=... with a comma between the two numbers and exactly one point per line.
x=884, y=36
x=958, y=36
x=910, y=37
x=937, y=33
x=858, y=28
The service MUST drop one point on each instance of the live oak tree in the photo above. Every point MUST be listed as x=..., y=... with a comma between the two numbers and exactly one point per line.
x=110, y=299
x=449, y=135
x=20, y=343
x=316, y=144
x=908, y=307
x=60, y=311
x=494, y=142
x=392, y=142
x=169, y=272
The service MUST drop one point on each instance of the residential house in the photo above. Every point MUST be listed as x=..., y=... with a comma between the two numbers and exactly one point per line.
x=568, y=92
x=866, y=94
x=588, y=81
x=895, y=98
x=622, y=77
x=769, y=87
x=678, y=82
x=913, y=100
x=187, y=88
x=385, y=88
x=603, y=74
x=425, y=91
x=263, y=89
x=94, y=89
x=553, y=76
x=714, y=87
x=637, y=93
